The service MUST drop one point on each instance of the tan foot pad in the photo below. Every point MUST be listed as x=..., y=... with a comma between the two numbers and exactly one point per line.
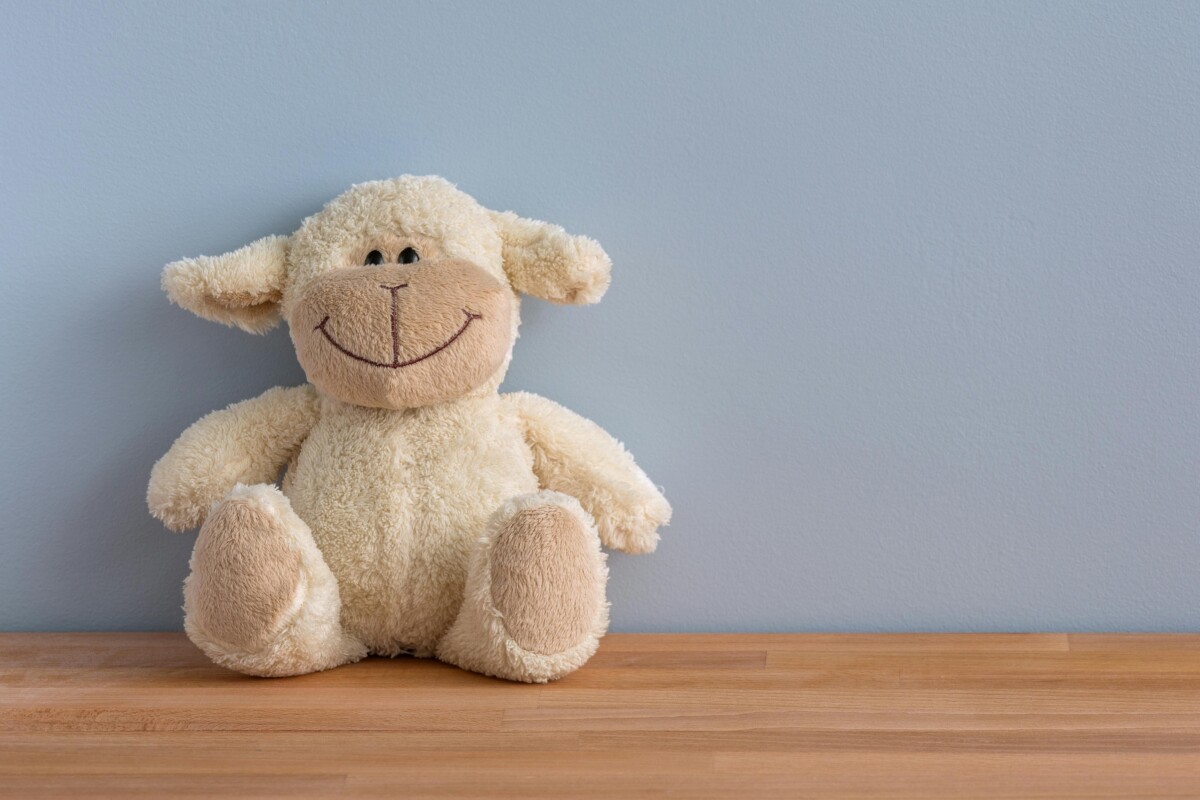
x=245, y=574
x=544, y=579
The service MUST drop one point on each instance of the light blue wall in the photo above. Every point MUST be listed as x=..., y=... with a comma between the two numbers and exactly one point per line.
x=906, y=309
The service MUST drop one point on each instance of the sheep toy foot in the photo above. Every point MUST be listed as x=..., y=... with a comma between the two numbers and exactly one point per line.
x=260, y=598
x=535, y=607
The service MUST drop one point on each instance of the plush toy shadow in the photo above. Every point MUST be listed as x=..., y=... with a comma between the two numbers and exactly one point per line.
x=422, y=511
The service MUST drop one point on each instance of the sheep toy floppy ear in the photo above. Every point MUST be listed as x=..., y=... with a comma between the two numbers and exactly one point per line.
x=544, y=261
x=241, y=288
x=423, y=512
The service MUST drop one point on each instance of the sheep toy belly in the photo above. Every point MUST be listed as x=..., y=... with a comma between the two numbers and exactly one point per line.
x=397, y=500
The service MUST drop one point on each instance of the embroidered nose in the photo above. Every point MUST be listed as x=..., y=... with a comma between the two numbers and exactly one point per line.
x=395, y=319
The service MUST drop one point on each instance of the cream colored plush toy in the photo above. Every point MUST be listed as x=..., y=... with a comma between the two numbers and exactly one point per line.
x=422, y=511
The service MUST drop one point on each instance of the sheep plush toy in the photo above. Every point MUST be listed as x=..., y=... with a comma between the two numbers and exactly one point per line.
x=421, y=512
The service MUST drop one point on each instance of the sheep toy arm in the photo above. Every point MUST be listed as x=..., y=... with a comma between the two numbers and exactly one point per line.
x=248, y=442
x=573, y=455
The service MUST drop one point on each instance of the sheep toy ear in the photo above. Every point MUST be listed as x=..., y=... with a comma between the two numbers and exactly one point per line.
x=545, y=261
x=241, y=288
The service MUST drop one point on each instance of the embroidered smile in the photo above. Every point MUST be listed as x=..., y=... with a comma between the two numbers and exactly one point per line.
x=397, y=362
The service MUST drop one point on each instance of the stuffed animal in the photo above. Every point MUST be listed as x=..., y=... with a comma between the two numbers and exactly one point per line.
x=422, y=512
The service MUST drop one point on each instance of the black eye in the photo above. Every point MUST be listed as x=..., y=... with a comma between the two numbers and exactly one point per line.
x=374, y=257
x=409, y=256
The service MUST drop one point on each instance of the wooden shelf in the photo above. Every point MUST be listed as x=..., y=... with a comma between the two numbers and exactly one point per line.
x=755, y=716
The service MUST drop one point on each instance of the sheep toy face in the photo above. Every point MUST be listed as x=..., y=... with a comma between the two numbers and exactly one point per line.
x=398, y=296
x=401, y=336
x=400, y=293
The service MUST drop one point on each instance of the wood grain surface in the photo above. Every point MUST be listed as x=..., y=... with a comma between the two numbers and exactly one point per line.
x=681, y=716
